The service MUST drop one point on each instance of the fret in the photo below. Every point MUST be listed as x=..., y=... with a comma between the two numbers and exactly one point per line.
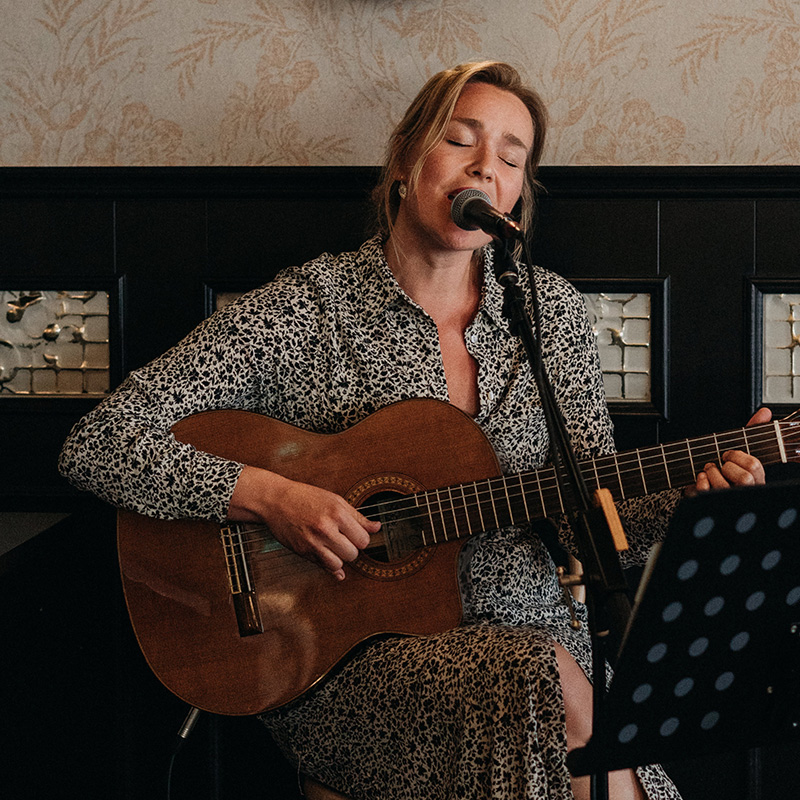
x=234, y=576
x=558, y=490
x=425, y=541
x=494, y=507
x=504, y=486
x=596, y=474
x=765, y=442
x=731, y=440
x=653, y=469
x=453, y=512
x=716, y=445
x=524, y=497
x=605, y=468
x=641, y=472
x=466, y=509
x=485, y=504
x=513, y=520
x=441, y=518
x=505, y=507
x=541, y=493
x=630, y=474
x=619, y=478
x=517, y=502
x=666, y=466
x=243, y=595
x=682, y=469
x=478, y=504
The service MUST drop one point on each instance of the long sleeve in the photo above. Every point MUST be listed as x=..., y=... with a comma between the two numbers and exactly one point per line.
x=320, y=347
x=123, y=450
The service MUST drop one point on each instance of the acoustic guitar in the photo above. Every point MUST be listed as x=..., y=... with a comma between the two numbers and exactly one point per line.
x=233, y=623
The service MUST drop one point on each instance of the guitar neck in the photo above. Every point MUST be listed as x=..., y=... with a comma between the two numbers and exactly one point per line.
x=454, y=512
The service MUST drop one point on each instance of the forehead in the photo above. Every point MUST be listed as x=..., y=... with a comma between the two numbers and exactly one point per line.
x=495, y=109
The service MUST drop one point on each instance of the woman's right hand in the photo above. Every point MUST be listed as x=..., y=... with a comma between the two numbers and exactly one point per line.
x=315, y=523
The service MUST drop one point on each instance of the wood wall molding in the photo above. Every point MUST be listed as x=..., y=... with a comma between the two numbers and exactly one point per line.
x=722, y=181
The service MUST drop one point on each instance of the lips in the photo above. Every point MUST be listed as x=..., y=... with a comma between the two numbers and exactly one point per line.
x=460, y=189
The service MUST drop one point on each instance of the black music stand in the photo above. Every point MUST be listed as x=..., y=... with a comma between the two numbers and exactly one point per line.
x=711, y=659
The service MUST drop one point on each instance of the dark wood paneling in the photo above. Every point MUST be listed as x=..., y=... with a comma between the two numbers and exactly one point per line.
x=707, y=250
x=33, y=431
x=597, y=238
x=161, y=255
x=160, y=238
x=778, y=238
x=56, y=239
x=252, y=239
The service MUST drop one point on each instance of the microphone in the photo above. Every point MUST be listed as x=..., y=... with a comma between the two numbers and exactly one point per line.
x=472, y=209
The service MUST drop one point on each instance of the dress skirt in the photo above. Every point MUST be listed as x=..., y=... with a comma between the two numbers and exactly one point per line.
x=471, y=714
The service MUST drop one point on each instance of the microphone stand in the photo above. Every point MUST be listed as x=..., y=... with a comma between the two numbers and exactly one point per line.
x=594, y=521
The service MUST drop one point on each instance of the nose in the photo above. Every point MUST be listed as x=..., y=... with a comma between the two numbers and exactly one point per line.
x=481, y=166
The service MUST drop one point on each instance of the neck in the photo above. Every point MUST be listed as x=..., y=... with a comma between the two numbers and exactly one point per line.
x=442, y=283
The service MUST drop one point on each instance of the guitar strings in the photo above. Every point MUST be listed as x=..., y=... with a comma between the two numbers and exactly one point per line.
x=617, y=468
x=545, y=477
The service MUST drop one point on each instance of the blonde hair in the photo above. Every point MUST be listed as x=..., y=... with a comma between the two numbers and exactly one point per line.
x=426, y=120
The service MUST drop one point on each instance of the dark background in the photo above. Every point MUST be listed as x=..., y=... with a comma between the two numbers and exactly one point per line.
x=81, y=713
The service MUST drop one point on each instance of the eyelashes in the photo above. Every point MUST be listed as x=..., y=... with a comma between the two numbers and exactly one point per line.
x=457, y=143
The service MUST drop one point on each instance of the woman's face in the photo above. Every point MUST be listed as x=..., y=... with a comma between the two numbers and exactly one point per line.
x=485, y=147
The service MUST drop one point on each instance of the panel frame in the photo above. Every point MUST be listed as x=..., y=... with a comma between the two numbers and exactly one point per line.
x=757, y=289
x=658, y=289
x=115, y=289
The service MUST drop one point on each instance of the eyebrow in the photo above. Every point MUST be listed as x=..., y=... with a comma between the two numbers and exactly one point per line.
x=476, y=124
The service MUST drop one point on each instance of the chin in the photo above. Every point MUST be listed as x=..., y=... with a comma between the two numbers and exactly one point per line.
x=474, y=240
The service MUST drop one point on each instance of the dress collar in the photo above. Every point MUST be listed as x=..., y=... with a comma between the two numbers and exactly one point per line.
x=380, y=290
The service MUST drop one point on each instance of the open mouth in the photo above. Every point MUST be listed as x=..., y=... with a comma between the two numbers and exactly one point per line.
x=455, y=192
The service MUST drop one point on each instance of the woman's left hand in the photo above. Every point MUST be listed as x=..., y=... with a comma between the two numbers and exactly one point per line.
x=737, y=468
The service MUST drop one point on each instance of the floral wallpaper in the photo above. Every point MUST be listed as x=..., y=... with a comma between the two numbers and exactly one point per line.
x=321, y=82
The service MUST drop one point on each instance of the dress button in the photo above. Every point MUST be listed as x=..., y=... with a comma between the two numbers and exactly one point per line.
x=473, y=338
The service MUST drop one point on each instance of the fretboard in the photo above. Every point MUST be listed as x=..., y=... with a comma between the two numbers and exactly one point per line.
x=454, y=512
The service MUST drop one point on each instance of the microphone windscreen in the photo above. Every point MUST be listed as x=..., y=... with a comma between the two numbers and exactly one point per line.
x=457, y=208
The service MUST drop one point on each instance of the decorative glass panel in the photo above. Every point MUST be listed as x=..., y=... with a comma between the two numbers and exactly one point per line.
x=622, y=324
x=780, y=380
x=54, y=343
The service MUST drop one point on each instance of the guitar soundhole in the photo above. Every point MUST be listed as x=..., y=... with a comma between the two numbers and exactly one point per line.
x=401, y=526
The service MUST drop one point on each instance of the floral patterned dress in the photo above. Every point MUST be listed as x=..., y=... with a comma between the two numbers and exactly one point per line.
x=474, y=713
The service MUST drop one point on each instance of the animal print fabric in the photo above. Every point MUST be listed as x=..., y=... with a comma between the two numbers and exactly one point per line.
x=473, y=713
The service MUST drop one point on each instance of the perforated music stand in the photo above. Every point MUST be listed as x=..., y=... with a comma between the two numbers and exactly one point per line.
x=711, y=659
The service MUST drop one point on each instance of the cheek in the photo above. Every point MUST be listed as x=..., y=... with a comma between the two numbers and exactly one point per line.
x=508, y=199
x=434, y=173
x=514, y=186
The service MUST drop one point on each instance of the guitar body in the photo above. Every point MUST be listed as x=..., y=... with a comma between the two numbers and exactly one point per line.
x=234, y=623
x=177, y=583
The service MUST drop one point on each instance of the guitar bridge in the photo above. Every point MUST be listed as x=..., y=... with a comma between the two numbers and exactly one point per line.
x=245, y=599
